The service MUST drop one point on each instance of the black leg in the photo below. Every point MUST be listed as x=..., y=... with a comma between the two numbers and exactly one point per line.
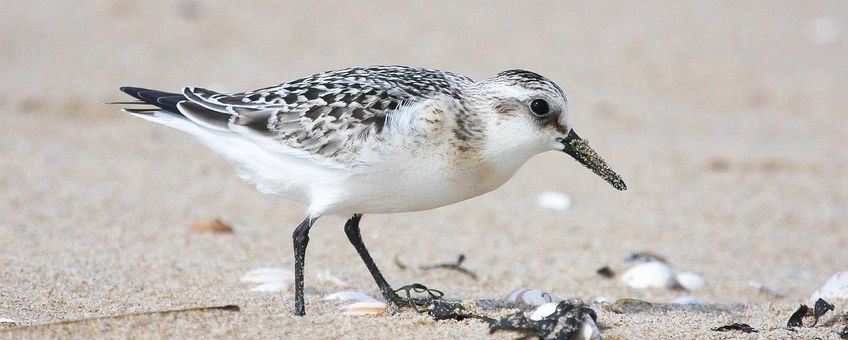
x=300, y=238
x=352, y=230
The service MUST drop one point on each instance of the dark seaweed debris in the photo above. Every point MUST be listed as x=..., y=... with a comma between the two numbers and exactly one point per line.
x=566, y=321
x=744, y=327
x=843, y=334
x=457, y=266
x=820, y=309
x=797, y=318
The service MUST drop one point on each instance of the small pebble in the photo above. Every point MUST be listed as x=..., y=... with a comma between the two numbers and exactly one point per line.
x=690, y=281
x=553, y=200
x=349, y=296
x=363, y=308
x=652, y=274
x=533, y=297
x=836, y=288
x=211, y=225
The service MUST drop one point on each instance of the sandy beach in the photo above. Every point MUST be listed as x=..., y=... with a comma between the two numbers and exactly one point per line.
x=728, y=121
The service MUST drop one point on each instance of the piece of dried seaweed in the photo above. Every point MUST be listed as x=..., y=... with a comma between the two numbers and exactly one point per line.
x=457, y=266
x=797, y=318
x=820, y=309
x=566, y=321
x=419, y=303
x=744, y=327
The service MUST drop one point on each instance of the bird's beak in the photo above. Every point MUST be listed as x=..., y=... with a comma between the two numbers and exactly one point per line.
x=583, y=153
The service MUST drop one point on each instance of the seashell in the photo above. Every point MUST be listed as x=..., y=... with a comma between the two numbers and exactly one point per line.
x=5, y=320
x=269, y=279
x=690, y=281
x=211, y=225
x=644, y=257
x=588, y=330
x=686, y=300
x=349, y=296
x=327, y=277
x=270, y=287
x=363, y=308
x=533, y=297
x=836, y=288
x=553, y=200
x=652, y=274
x=600, y=299
x=543, y=311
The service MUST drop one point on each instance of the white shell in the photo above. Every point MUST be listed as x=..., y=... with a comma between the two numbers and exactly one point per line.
x=533, y=297
x=553, y=200
x=270, y=287
x=5, y=320
x=652, y=274
x=269, y=279
x=544, y=310
x=600, y=299
x=690, y=281
x=834, y=289
x=349, y=296
x=589, y=330
x=363, y=308
x=686, y=300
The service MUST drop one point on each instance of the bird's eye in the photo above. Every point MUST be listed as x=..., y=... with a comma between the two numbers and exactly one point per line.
x=539, y=107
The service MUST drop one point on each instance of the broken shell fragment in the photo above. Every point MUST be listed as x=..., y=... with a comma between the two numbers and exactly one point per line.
x=588, y=330
x=553, y=200
x=652, y=274
x=543, y=311
x=836, y=288
x=686, y=300
x=363, y=308
x=349, y=296
x=269, y=279
x=533, y=297
x=690, y=281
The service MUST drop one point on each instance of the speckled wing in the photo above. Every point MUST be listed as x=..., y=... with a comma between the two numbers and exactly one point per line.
x=327, y=116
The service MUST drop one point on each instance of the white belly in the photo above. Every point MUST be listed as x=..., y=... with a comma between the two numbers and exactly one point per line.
x=405, y=182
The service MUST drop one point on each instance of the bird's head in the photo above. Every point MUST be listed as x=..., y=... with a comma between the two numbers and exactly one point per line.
x=531, y=114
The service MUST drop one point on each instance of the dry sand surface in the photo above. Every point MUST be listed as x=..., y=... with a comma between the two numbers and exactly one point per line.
x=728, y=120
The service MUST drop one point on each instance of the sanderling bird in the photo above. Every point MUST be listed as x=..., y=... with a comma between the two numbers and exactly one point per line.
x=376, y=140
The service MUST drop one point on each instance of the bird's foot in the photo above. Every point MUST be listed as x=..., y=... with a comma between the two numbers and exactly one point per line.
x=416, y=295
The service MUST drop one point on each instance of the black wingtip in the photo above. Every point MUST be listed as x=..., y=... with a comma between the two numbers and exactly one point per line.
x=132, y=91
x=164, y=100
